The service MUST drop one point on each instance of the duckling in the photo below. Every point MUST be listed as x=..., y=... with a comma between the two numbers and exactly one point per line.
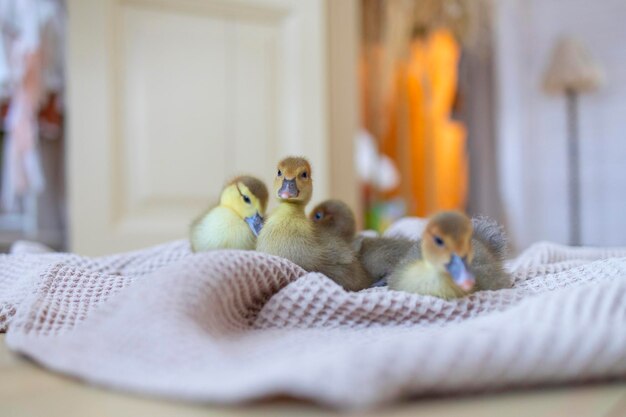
x=290, y=234
x=236, y=221
x=446, y=251
x=336, y=217
x=378, y=255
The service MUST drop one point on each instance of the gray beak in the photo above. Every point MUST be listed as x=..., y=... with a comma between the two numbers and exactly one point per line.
x=255, y=223
x=289, y=189
x=460, y=273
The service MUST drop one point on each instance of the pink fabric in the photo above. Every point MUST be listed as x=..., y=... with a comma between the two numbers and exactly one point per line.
x=232, y=326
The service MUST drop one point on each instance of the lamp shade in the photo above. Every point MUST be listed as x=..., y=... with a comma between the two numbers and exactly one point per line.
x=572, y=69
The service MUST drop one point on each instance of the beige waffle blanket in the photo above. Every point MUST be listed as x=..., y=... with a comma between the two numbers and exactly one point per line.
x=232, y=326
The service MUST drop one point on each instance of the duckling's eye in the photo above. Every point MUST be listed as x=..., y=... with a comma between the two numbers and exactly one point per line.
x=319, y=215
x=280, y=173
x=246, y=199
x=438, y=240
x=304, y=174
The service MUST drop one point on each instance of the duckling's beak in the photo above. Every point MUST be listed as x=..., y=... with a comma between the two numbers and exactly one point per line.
x=460, y=273
x=289, y=189
x=255, y=223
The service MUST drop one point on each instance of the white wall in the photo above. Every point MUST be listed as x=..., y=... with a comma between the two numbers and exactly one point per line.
x=169, y=99
x=532, y=125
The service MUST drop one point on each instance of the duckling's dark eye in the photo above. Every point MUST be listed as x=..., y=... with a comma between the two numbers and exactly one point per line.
x=304, y=174
x=319, y=215
x=280, y=173
x=246, y=199
x=438, y=240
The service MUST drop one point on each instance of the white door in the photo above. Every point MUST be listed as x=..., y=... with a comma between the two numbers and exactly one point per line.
x=168, y=99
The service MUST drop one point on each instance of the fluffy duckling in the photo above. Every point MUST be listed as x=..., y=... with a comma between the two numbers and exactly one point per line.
x=290, y=234
x=446, y=251
x=378, y=255
x=335, y=216
x=236, y=221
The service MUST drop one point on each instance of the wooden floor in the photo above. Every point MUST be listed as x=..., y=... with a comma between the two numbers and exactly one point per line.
x=27, y=390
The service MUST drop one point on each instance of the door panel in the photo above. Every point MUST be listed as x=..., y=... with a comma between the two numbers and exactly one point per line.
x=168, y=99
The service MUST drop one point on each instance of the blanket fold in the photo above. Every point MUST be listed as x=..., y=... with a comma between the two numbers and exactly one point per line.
x=232, y=326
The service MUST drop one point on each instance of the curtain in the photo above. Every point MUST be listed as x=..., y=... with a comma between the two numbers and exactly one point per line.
x=417, y=131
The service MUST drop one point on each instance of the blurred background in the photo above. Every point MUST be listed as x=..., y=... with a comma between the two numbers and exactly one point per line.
x=121, y=120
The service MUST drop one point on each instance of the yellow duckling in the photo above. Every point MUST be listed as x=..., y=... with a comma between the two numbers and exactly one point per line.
x=446, y=251
x=290, y=234
x=236, y=221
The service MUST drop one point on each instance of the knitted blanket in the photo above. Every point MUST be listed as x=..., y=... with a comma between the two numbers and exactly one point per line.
x=232, y=326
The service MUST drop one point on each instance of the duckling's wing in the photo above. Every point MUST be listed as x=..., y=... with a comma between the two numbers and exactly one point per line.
x=491, y=234
x=221, y=228
x=340, y=263
x=490, y=248
x=488, y=268
x=381, y=255
x=397, y=275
